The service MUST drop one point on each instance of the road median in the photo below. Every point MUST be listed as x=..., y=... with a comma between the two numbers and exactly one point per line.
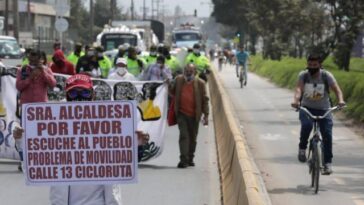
x=241, y=182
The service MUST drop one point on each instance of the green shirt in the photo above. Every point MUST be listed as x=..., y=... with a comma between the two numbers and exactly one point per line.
x=73, y=58
x=133, y=66
x=105, y=66
x=150, y=60
x=173, y=64
x=202, y=62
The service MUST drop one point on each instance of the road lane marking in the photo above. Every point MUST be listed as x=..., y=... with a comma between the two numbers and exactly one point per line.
x=271, y=137
x=339, y=181
x=294, y=132
x=358, y=200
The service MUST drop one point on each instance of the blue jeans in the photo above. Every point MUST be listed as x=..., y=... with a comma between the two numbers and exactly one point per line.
x=325, y=129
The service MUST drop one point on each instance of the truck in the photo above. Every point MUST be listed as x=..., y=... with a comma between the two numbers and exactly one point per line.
x=150, y=31
x=113, y=36
x=186, y=35
x=10, y=53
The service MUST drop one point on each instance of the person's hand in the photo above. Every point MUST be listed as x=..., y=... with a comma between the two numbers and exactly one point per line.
x=341, y=104
x=295, y=104
x=18, y=132
x=36, y=73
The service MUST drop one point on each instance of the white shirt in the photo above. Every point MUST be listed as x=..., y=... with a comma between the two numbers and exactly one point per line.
x=127, y=76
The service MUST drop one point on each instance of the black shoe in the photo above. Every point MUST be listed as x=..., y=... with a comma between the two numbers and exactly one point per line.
x=302, y=155
x=191, y=164
x=182, y=165
x=20, y=168
x=245, y=83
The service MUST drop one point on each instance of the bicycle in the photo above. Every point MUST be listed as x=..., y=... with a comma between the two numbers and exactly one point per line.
x=315, y=153
x=242, y=75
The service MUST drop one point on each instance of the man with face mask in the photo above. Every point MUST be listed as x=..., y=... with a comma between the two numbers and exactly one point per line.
x=121, y=71
x=312, y=92
x=172, y=62
x=61, y=65
x=201, y=61
x=76, y=54
x=104, y=62
x=158, y=71
x=191, y=102
x=152, y=57
x=134, y=63
x=80, y=88
x=88, y=64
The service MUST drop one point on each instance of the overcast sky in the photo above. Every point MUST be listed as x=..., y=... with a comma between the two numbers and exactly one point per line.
x=188, y=6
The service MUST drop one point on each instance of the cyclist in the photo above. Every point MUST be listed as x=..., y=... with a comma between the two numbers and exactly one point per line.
x=312, y=92
x=242, y=58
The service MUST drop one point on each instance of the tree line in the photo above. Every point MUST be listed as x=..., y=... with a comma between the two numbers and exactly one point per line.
x=295, y=27
x=80, y=18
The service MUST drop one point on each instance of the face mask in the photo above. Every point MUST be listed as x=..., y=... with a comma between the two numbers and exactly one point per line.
x=160, y=65
x=121, y=70
x=189, y=78
x=153, y=53
x=313, y=71
x=196, y=51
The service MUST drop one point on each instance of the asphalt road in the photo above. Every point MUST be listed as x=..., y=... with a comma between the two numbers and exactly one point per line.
x=272, y=131
x=159, y=180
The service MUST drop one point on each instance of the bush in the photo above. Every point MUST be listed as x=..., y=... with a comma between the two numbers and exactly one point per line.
x=285, y=74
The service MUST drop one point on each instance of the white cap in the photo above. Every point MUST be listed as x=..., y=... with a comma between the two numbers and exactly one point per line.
x=121, y=60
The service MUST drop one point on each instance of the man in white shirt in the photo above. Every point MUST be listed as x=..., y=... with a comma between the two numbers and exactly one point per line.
x=121, y=71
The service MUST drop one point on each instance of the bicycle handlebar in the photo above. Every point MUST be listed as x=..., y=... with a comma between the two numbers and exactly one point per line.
x=322, y=116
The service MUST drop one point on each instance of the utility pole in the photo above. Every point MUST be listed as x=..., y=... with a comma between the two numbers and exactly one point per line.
x=16, y=19
x=6, y=20
x=29, y=17
x=144, y=10
x=91, y=20
x=132, y=10
x=112, y=9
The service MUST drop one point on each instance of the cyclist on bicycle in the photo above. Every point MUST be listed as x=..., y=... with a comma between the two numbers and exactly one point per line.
x=242, y=58
x=312, y=92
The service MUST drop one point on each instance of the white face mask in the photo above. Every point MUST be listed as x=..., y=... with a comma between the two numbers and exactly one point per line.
x=121, y=70
x=197, y=51
x=153, y=53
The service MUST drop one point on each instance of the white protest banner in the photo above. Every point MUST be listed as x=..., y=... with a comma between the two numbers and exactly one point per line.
x=80, y=142
x=151, y=98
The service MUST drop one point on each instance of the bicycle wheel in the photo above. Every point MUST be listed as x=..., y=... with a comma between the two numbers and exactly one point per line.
x=317, y=166
x=241, y=79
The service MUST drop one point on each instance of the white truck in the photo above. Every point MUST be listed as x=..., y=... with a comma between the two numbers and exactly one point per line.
x=114, y=36
x=186, y=36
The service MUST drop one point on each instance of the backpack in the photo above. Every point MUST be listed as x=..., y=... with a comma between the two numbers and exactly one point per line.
x=326, y=83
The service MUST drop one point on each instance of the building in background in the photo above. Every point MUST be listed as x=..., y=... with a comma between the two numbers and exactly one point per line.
x=39, y=29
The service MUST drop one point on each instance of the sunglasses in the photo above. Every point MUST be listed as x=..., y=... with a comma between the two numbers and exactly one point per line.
x=83, y=93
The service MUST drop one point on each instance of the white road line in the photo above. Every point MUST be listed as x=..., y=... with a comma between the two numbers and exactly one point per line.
x=294, y=132
x=358, y=200
x=339, y=181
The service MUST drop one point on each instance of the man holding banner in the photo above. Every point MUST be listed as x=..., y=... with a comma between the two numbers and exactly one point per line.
x=73, y=182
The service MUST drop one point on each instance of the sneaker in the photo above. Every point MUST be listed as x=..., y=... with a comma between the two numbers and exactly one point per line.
x=182, y=165
x=327, y=169
x=302, y=155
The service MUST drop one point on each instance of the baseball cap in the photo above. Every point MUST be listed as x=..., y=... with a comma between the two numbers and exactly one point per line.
x=78, y=81
x=121, y=60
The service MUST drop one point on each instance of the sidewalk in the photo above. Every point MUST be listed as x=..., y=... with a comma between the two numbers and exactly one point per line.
x=159, y=181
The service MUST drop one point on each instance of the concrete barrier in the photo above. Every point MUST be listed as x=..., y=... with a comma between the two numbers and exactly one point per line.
x=241, y=182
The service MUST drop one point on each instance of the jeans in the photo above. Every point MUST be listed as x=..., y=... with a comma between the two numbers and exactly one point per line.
x=325, y=126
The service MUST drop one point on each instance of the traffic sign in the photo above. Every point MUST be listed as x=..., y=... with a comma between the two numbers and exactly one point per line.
x=61, y=25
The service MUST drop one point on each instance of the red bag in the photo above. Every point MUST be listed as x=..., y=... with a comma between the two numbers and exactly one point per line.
x=171, y=117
